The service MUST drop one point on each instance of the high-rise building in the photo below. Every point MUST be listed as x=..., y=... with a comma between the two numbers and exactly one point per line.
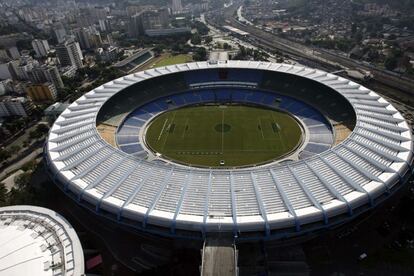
x=12, y=106
x=135, y=25
x=12, y=66
x=70, y=54
x=24, y=67
x=148, y=19
x=53, y=76
x=13, y=52
x=95, y=39
x=155, y=19
x=103, y=25
x=42, y=92
x=41, y=47
x=45, y=73
x=60, y=34
x=4, y=55
x=82, y=36
x=176, y=6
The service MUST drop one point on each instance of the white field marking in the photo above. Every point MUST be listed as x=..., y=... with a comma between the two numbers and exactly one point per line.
x=222, y=131
x=184, y=131
x=168, y=133
x=162, y=129
x=278, y=133
x=261, y=128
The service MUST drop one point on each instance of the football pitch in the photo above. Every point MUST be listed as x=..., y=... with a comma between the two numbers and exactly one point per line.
x=223, y=135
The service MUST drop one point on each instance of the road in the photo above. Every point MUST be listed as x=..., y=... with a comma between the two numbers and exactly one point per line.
x=33, y=155
x=327, y=60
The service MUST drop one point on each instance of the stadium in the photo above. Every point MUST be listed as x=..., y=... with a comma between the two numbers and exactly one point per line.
x=250, y=149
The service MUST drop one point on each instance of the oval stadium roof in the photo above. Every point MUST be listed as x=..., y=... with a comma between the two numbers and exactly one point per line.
x=268, y=199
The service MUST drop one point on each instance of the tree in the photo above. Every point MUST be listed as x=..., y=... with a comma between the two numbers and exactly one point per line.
x=226, y=46
x=29, y=166
x=3, y=195
x=208, y=39
x=391, y=63
x=14, y=149
x=196, y=39
x=4, y=155
x=158, y=49
x=200, y=54
x=22, y=181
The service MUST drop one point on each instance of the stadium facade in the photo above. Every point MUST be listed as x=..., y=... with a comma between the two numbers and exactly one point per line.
x=357, y=150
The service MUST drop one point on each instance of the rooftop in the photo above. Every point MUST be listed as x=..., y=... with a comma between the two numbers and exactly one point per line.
x=38, y=241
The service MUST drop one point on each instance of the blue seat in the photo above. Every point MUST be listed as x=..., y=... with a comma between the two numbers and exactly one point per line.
x=305, y=154
x=124, y=130
x=131, y=148
x=152, y=108
x=255, y=97
x=190, y=98
x=141, y=114
x=178, y=100
x=132, y=121
x=316, y=148
x=321, y=138
x=223, y=94
x=268, y=99
x=123, y=140
x=207, y=96
x=308, y=112
x=162, y=104
x=239, y=95
x=312, y=122
x=295, y=107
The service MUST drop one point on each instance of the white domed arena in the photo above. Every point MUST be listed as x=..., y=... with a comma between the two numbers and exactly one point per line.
x=251, y=149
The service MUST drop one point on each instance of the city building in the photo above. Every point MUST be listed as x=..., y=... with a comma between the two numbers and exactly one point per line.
x=43, y=92
x=4, y=71
x=15, y=106
x=107, y=54
x=82, y=36
x=168, y=31
x=68, y=71
x=6, y=86
x=95, y=39
x=13, y=52
x=60, y=34
x=135, y=27
x=70, y=54
x=22, y=68
x=41, y=47
x=46, y=73
x=2, y=88
x=4, y=55
x=105, y=25
x=155, y=19
x=38, y=241
x=148, y=20
x=12, y=67
x=176, y=7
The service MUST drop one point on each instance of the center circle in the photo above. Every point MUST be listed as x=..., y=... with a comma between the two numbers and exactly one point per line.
x=235, y=135
x=222, y=128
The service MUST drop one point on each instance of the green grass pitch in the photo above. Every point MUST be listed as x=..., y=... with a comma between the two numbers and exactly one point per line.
x=237, y=134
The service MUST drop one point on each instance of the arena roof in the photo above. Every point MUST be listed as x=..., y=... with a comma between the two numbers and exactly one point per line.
x=365, y=166
x=38, y=241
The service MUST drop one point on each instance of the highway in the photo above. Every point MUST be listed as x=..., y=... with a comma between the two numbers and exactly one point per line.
x=313, y=57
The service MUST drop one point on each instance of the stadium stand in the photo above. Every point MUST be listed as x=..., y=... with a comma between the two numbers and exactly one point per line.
x=331, y=184
x=319, y=129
